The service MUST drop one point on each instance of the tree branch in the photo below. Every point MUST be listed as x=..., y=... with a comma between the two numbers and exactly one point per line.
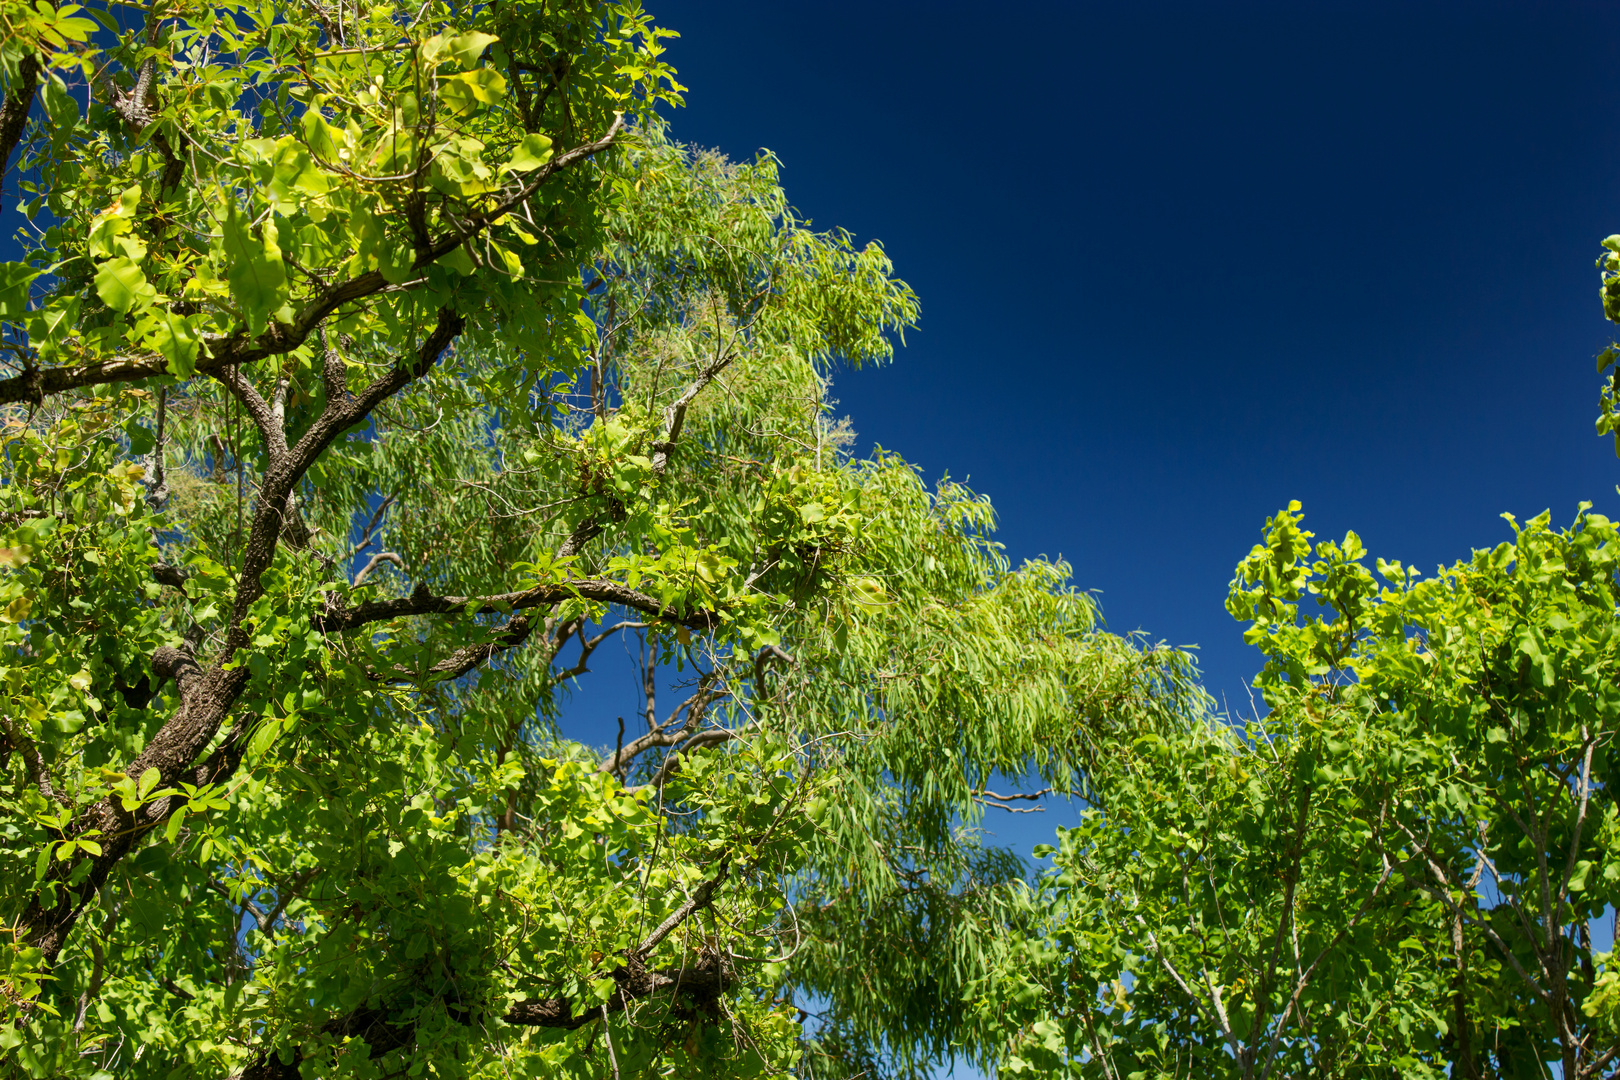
x=93, y=988
x=265, y=416
x=1220, y=1010
x=588, y=646
x=14, y=110
x=157, y=485
x=371, y=526
x=675, y=411
x=708, y=976
x=1000, y=802
x=224, y=351
x=207, y=697
x=337, y=618
x=711, y=737
x=694, y=707
x=464, y=659
x=711, y=972
x=371, y=564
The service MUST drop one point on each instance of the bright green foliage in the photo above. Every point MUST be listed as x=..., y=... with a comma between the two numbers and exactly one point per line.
x=902, y=894
x=1395, y=873
x=1609, y=269
x=1228, y=910
x=257, y=167
x=380, y=366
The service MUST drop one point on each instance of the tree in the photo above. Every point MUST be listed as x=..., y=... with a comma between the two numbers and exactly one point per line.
x=1396, y=872
x=372, y=368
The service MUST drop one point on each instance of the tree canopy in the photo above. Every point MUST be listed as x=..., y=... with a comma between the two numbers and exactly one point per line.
x=367, y=371
x=1408, y=865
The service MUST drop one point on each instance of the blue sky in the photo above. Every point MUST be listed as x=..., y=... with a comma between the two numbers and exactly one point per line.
x=1181, y=263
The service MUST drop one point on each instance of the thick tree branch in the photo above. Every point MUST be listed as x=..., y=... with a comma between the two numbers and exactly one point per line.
x=673, y=420
x=266, y=920
x=421, y=602
x=769, y=652
x=464, y=659
x=282, y=476
x=711, y=737
x=207, y=696
x=711, y=974
x=139, y=109
x=157, y=484
x=264, y=415
x=588, y=646
x=708, y=976
x=675, y=411
x=372, y=563
x=92, y=989
x=666, y=734
x=371, y=526
x=14, y=110
x=1004, y=802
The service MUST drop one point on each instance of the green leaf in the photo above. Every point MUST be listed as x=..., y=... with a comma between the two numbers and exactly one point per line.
x=256, y=273
x=173, y=337
x=459, y=261
x=325, y=141
x=15, y=278
x=49, y=329
x=467, y=48
x=60, y=108
x=533, y=152
x=465, y=92
x=121, y=285
x=141, y=439
x=266, y=734
x=397, y=263
x=509, y=258
x=869, y=595
x=1577, y=878
x=129, y=201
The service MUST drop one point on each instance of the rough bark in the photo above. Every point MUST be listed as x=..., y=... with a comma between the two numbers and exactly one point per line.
x=206, y=696
x=14, y=109
x=422, y=602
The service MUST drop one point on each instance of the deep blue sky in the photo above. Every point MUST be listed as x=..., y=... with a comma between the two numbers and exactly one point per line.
x=1181, y=263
